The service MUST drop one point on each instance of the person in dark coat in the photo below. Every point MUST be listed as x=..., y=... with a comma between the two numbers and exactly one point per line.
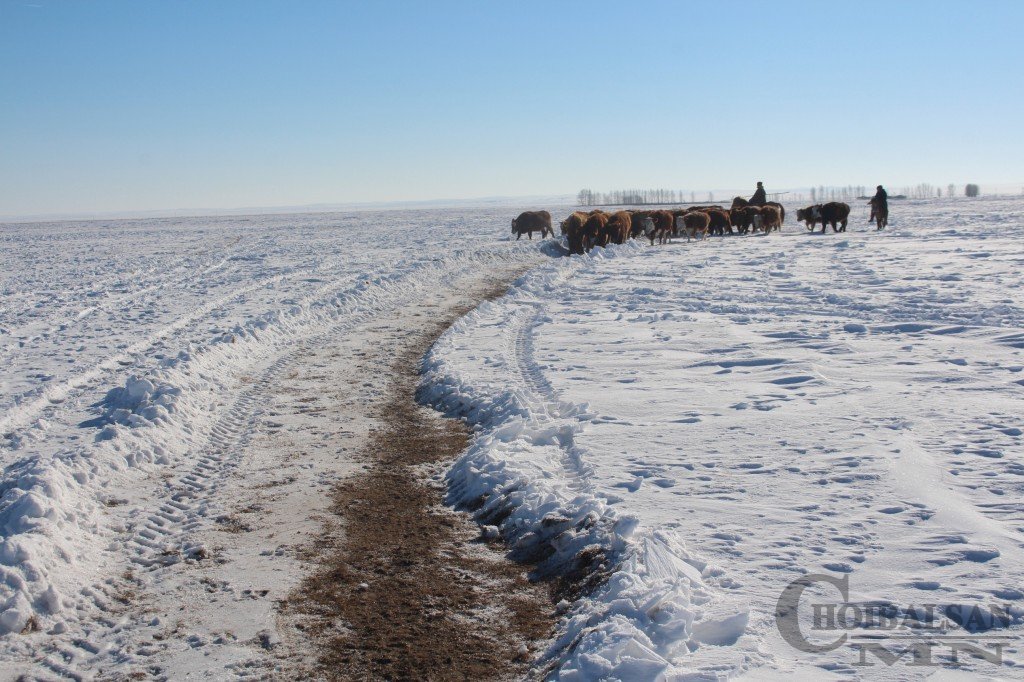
x=760, y=197
x=880, y=200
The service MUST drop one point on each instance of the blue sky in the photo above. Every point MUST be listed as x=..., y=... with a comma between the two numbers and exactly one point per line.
x=121, y=106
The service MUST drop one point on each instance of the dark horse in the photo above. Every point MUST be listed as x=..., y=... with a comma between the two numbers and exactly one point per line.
x=879, y=213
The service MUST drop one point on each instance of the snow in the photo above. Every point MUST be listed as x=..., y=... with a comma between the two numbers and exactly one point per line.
x=681, y=430
x=140, y=361
x=713, y=421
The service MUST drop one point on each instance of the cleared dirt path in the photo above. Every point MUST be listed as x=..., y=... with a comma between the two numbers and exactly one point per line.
x=409, y=589
x=398, y=586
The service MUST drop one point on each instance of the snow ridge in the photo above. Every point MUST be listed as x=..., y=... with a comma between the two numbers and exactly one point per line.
x=55, y=508
x=645, y=600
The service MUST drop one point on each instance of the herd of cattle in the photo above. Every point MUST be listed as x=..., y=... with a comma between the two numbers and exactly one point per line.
x=585, y=230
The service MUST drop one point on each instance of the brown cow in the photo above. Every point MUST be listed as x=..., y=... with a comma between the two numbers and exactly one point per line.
x=740, y=202
x=720, y=222
x=642, y=224
x=572, y=228
x=575, y=217
x=677, y=226
x=531, y=221
x=834, y=212
x=694, y=224
x=809, y=216
x=616, y=229
x=745, y=218
x=662, y=231
x=771, y=218
x=592, y=229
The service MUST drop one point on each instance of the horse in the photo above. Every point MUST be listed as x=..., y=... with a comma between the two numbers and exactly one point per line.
x=879, y=214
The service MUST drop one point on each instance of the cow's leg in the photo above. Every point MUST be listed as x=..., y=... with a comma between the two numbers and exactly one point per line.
x=519, y=235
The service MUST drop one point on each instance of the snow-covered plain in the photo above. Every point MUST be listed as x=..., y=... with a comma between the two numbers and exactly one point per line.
x=717, y=419
x=702, y=423
x=141, y=363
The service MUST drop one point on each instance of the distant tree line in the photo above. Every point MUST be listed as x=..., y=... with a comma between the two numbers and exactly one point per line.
x=926, y=191
x=819, y=194
x=628, y=197
x=823, y=193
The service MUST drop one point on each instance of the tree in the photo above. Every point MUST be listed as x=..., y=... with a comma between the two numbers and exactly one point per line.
x=951, y=190
x=971, y=190
x=585, y=197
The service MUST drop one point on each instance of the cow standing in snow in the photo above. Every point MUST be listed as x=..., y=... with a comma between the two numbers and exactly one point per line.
x=532, y=221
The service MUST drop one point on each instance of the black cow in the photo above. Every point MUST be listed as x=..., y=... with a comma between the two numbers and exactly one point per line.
x=531, y=221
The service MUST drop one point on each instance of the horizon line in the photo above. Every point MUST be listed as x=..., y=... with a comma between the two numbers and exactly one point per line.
x=568, y=199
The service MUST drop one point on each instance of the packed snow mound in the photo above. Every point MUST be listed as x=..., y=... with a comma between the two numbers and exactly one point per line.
x=140, y=402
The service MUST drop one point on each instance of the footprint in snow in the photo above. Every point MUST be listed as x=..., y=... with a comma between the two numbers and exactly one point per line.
x=929, y=585
x=787, y=381
x=631, y=486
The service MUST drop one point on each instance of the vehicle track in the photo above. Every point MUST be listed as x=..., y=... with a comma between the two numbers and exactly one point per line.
x=538, y=392
x=112, y=623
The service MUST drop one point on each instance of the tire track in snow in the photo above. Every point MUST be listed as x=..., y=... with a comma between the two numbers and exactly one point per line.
x=168, y=531
x=542, y=399
x=167, y=534
x=71, y=298
x=21, y=414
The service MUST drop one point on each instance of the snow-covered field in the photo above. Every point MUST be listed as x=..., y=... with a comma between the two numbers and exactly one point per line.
x=700, y=424
x=144, y=363
x=715, y=420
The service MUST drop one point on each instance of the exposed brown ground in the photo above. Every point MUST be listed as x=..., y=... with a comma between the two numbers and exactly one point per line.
x=407, y=589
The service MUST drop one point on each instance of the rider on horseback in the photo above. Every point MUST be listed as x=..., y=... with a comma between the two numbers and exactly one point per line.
x=760, y=197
